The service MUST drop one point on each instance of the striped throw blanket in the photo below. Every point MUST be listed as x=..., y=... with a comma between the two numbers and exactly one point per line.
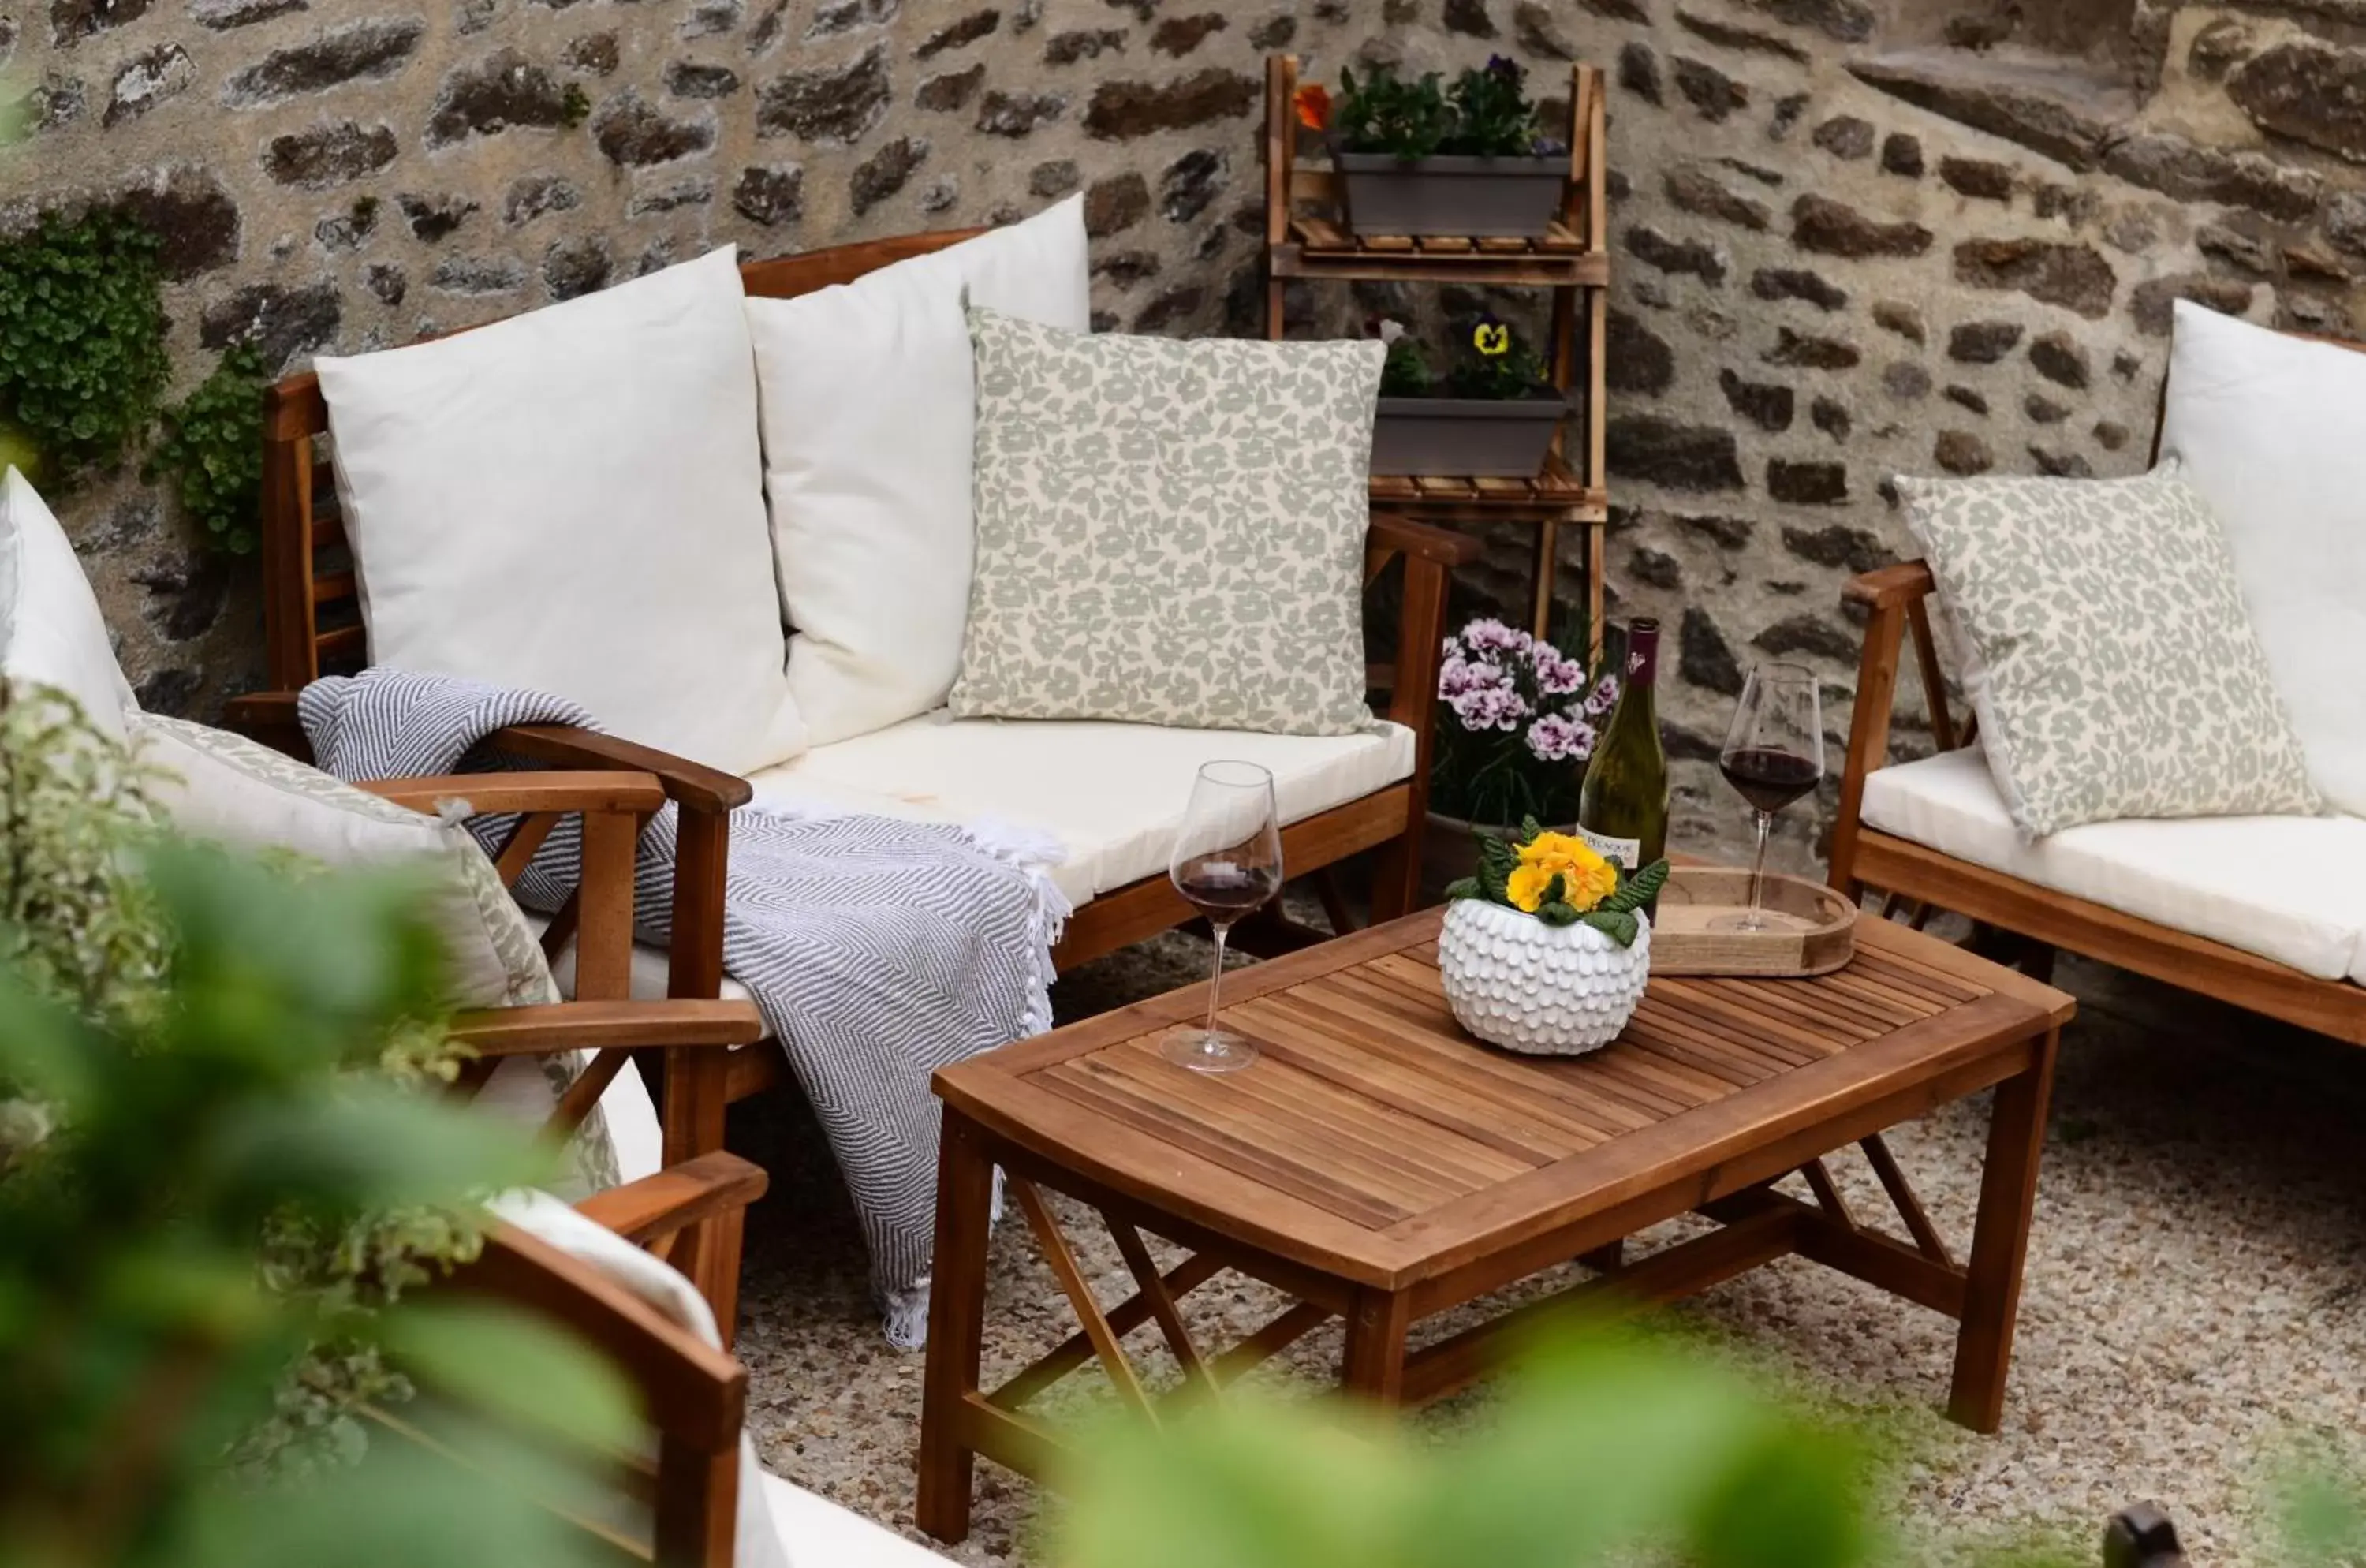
x=878, y=949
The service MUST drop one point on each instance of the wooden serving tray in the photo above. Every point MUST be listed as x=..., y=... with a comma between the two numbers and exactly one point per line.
x=1814, y=928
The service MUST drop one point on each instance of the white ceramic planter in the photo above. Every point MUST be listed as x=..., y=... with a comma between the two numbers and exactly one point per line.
x=1518, y=983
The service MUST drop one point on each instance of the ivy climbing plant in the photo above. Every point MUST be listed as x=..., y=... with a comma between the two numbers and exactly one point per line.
x=213, y=450
x=83, y=365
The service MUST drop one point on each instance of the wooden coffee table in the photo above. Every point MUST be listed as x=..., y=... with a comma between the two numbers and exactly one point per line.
x=1380, y=1166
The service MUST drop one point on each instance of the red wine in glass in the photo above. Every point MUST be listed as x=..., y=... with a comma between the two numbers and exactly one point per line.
x=1772, y=756
x=1227, y=864
x=1223, y=891
x=1769, y=779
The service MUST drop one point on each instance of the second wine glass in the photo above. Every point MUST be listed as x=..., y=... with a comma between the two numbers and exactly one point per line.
x=1227, y=863
x=1773, y=755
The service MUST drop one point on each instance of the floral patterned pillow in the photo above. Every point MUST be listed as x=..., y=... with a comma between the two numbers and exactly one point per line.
x=1169, y=533
x=2108, y=654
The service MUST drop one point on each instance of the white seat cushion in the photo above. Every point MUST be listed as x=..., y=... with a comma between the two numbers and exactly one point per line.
x=818, y=1533
x=2288, y=888
x=1112, y=793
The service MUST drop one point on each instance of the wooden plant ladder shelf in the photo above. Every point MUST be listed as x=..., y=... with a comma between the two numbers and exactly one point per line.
x=1307, y=237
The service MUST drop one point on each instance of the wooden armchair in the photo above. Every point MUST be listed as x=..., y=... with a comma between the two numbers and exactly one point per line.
x=2036, y=920
x=685, y=1041
x=1919, y=878
x=694, y=1394
x=313, y=612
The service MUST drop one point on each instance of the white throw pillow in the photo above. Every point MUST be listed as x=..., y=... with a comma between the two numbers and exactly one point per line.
x=2268, y=428
x=868, y=407
x=572, y=500
x=212, y=784
x=51, y=631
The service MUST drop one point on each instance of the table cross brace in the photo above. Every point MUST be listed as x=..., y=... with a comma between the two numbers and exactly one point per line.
x=1155, y=1300
x=1902, y=1197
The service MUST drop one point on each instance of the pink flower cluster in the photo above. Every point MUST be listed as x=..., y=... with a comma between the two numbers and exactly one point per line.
x=1497, y=677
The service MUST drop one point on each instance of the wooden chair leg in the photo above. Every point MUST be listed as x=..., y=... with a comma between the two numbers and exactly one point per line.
x=1396, y=873
x=1334, y=901
x=956, y=1329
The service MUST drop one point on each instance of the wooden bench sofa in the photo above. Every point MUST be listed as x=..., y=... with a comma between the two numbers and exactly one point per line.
x=2019, y=917
x=313, y=625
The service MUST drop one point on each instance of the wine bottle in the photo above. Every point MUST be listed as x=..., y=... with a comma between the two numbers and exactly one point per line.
x=1622, y=806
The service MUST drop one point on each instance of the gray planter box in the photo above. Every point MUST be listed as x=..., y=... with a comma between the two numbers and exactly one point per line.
x=1490, y=198
x=1479, y=438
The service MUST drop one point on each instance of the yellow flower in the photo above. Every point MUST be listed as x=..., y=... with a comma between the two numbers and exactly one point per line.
x=1493, y=339
x=1586, y=878
x=1526, y=886
x=1549, y=845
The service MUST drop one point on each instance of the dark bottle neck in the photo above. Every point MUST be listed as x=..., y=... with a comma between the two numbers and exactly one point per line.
x=1642, y=655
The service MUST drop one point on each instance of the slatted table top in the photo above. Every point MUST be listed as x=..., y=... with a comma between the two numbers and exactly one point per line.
x=1375, y=1140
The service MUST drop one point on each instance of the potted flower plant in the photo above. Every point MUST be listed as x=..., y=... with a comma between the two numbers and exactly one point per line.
x=1547, y=950
x=1421, y=158
x=1492, y=415
x=1515, y=724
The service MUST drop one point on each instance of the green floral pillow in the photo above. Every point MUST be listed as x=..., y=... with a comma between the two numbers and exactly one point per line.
x=2107, y=653
x=1169, y=533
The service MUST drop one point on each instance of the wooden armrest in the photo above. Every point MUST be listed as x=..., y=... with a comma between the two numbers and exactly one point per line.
x=1440, y=544
x=570, y=1026
x=696, y=787
x=1899, y=584
x=638, y=793
x=677, y=1197
x=269, y=718
x=693, y=1391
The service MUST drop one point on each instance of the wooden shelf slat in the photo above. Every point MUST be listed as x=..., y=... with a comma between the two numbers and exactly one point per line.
x=1526, y=268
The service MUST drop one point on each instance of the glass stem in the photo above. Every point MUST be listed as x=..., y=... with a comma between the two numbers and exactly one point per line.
x=1216, y=981
x=1757, y=865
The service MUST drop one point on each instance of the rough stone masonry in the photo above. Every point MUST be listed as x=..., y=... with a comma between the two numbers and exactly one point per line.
x=1850, y=237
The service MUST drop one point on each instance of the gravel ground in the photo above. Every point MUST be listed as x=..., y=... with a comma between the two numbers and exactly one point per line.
x=2192, y=1298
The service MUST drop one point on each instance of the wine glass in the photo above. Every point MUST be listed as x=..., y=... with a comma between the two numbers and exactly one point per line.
x=1773, y=755
x=1227, y=862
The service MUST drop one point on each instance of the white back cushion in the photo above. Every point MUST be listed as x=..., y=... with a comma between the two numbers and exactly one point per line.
x=573, y=501
x=2268, y=428
x=51, y=631
x=868, y=403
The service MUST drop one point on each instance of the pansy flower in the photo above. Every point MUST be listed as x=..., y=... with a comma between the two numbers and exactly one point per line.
x=1312, y=103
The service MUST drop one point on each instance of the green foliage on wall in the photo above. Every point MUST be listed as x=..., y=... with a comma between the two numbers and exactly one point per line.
x=213, y=450
x=82, y=338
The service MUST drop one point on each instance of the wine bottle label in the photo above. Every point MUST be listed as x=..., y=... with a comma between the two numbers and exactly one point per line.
x=1625, y=854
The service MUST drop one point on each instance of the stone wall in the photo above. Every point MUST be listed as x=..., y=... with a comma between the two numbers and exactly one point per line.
x=1855, y=238
x=1851, y=237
